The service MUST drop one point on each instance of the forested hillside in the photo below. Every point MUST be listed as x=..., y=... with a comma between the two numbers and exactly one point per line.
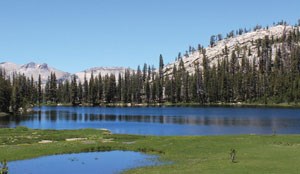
x=248, y=66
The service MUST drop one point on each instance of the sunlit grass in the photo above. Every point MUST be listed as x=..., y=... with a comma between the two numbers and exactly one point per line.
x=185, y=154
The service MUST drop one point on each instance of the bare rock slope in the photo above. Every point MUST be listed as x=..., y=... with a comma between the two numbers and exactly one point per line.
x=245, y=41
x=34, y=70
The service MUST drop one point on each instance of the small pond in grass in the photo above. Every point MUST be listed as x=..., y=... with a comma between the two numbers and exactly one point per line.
x=84, y=163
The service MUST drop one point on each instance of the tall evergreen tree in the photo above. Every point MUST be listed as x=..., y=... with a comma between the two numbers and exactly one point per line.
x=40, y=92
x=74, y=90
x=160, y=83
x=5, y=93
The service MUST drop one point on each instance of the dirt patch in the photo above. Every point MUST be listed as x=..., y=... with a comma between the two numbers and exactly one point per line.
x=110, y=140
x=132, y=142
x=45, y=141
x=88, y=142
x=76, y=139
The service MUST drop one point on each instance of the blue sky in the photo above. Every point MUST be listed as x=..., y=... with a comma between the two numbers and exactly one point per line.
x=73, y=35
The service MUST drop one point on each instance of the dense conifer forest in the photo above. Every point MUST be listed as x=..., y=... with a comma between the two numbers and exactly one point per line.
x=273, y=76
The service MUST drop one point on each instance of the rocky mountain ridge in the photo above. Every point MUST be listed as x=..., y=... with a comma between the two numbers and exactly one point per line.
x=33, y=69
x=240, y=43
x=100, y=70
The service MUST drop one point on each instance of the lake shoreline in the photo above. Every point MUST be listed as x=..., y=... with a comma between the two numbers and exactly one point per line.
x=238, y=104
x=189, y=154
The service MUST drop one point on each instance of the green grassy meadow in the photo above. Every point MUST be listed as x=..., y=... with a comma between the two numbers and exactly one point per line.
x=184, y=154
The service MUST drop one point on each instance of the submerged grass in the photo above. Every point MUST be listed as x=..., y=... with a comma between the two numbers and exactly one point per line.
x=188, y=154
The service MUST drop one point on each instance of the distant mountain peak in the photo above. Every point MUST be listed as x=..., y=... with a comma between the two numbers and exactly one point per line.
x=7, y=63
x=44, y=66
x=113, y=68
x=34, y=69
x=29, y=65
x=34, y=65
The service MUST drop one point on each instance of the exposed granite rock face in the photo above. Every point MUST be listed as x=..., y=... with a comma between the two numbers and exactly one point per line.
x=245, y=41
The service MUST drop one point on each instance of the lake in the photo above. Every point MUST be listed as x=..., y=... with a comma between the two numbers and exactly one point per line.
x=90, y=163
x=164, y=120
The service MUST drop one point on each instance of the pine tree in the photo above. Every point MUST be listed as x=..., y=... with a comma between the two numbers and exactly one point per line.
x=160, y=83
x=67, y=92
x=80, y=92
x=154, y=85
x=138, y=85
x=111, y=88
x=53, y=88
x=92, y=90
x=119, y=88
x=100, y=88
x=85, y=90
x=205, y=67
x=60, y=92
x=168, y=89
x=5, y=93
x=147, y=87
x=40, y=92
x=74, y=91
x=174, y=85
x=126, y=87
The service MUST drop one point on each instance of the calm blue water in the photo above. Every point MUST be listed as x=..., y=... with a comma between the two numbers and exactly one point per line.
x=83, y=163
x=164, y=120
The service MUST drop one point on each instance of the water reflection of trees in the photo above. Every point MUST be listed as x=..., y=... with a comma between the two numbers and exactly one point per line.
x=66, y=116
